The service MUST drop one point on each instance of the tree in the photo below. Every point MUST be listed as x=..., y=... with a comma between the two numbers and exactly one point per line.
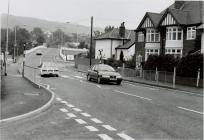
x=108, y=28
x=38, y=35
x=97, y=33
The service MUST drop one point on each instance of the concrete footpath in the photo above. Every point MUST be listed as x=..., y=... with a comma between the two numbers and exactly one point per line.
x=19, y=96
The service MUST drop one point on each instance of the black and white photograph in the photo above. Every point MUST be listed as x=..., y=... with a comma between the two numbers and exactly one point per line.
x=101, y=69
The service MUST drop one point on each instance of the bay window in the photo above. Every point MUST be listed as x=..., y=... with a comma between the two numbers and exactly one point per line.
x=175, y=52
x=191, y=33
x=152, y=35
x=174, y=33
x=151, y=52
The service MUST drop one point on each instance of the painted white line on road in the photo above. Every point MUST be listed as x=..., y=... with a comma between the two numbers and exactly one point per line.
x=105, y=137
x=77, y=109
x=80, y=121
x=108, y=127
x=79, y=77
x=190, y=110
x=132, y=95
x=151, y=88
x=63, y=110
x=58, y=99
x=124, y=136
x=86, y=114
x=64, y=102
x=70, y=105
x=98, y=86
x=96, y=120
x=71, y=115
x=66, y=76
x=91, y=128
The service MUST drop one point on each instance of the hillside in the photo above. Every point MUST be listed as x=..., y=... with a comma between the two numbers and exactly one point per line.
x=51, y=26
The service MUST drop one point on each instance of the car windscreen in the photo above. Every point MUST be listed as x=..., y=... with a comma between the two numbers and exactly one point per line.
x=105, y=68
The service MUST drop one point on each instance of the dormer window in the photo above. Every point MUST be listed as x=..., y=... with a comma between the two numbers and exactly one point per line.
x=191, y=33
x=152, y=35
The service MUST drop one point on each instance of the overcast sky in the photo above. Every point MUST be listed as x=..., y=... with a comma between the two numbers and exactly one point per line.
x=105, y=12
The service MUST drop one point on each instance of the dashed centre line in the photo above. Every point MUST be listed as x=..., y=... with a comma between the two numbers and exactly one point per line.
x=96, y=120
x=80, y=121
x=70, y=105
x=64, y=102
x=77, y=109
x=124, y=136
x=190, y=110
x=71, y=115
x=86, y=114
x=58, y=99
x=91, y=128
x=105, y=137
x=63, y=110
x=108, y=127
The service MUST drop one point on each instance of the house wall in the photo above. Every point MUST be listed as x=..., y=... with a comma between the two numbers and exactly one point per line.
x=202, y=42
x=152, y=45
x=128, y=53
x=116, y=43
x=105, y=45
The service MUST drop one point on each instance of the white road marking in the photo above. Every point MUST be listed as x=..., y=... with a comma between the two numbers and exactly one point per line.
x=124, y=136
x=80, y=121
x=77, y=109
x=64, y=102
x=70, y=105
x=108, y=127
x=96, y=120
x=66, y=76
x=132, y=95
x=98, y=86
x=190, y=110
x=151, y=88
x=63, y=110
x=71, y=115
x=58, y=99
x=86, y=114
x=91, y=128
x=105, y=137
x=79, y=77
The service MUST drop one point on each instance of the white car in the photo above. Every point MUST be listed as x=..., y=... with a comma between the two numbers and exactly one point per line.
x=49, y=69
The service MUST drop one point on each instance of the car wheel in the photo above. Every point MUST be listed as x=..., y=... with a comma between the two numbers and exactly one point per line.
x=99, y=80
x=88, y=78
x=57, y=75
x=119, y=82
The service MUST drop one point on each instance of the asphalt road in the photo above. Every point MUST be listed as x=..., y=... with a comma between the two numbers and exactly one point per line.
x=87, y=110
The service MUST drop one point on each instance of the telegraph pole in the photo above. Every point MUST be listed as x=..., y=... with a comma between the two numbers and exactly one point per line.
x=90, y=51
x=14, y=50
x=6, y=50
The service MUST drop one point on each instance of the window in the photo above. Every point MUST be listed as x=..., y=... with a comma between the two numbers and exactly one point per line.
x=174, y=33
x=151, y=52
x=152, y=35
x=191, y=33
x=140, y=37
x=175, y=52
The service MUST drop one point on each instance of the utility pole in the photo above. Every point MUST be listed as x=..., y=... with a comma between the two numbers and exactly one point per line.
x=14, y=50
x=90, y=51
x=6, y=50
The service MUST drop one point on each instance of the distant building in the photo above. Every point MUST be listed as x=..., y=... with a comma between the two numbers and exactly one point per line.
x=177, y=30
x=111, y=44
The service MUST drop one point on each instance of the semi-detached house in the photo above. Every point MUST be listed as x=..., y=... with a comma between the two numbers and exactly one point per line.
x=177, y=30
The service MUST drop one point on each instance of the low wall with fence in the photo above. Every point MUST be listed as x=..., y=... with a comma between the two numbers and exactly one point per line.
x=32, y=73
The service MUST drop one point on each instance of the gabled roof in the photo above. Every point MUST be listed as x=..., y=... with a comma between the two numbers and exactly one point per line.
x=129, y=43
x=154, y=18
x=113, y=34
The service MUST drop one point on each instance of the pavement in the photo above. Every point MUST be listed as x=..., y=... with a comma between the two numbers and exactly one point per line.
x=19, y=95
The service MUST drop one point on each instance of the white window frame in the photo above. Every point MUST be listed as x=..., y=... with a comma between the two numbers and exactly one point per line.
x=140, y=37
x=175, y=53
x=191, y=33
x=171, y=31
x=151, y=52
x=150, y=33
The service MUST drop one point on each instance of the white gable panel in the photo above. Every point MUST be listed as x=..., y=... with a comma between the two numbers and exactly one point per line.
x=147, y=23
x=168, y=20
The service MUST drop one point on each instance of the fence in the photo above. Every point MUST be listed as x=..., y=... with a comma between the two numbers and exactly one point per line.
x=160, y=76
x=32, y=74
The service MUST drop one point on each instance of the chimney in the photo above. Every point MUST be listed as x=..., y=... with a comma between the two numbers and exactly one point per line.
x=122, y=30
x=178, y=4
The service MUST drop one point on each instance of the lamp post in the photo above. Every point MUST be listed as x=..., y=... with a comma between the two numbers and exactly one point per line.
x=14, y=49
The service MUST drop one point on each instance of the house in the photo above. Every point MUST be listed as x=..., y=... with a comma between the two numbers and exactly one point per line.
x=177, y=30
x=112, y=43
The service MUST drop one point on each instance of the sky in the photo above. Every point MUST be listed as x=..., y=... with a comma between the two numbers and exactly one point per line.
x=104, y=12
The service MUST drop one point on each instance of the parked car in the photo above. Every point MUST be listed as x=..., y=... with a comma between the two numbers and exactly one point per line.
x=103, y=73
x=49, y=69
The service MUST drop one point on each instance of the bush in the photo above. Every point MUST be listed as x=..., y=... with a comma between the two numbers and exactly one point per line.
x=113, y=63
x=189, y=65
